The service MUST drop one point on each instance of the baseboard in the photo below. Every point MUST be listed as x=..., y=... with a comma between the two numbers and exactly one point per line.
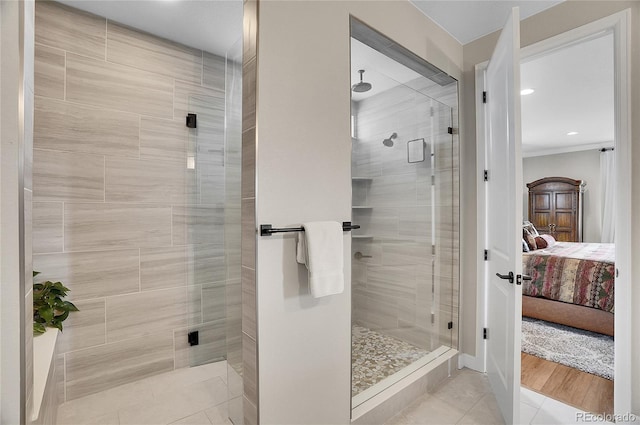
x=470, y=362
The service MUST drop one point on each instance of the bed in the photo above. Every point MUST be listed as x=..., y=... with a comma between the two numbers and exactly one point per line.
x=571, y=284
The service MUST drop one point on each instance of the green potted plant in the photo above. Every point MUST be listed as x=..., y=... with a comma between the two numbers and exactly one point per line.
x=49, y=307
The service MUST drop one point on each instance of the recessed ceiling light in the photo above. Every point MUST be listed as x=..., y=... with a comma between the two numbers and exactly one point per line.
x=572, y=133
x=525, y=92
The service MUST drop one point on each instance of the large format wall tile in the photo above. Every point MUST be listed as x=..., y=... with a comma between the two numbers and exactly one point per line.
x=49, y=72
x=249, y=302
x=127, y=46
x=163, y=267
x=47, y=227
x=127, y=361
x=70, y=29
x=197, y=224
x=206, y=263
x=207, y=102
x=163, y=139
x=213, y=71
x=100, y=226
x=145, y=313
x=84, y=328
x=92, y=274
x=68, y=127
x=250, y=368
x=118, y=87
x=133, y=180
x=64, y=176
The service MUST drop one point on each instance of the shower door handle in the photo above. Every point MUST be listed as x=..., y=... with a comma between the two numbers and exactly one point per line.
x=508, y=277
x=522, y=277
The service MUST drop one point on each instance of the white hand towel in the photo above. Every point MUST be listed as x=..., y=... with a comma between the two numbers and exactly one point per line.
x=320, y=248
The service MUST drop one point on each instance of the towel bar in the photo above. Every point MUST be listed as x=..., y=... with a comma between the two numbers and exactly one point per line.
x=268, y=230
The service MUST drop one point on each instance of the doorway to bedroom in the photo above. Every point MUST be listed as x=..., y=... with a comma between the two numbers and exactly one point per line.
x=568, y=166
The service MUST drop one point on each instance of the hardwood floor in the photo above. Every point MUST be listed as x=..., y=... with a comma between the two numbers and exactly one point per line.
x=579, y=389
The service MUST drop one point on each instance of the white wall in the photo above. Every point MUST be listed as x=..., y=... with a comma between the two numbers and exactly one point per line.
x=583, y=165
x=304, y=174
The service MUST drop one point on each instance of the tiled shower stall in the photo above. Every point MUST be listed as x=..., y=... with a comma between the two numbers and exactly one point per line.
x=405, y=184
x=136, y=213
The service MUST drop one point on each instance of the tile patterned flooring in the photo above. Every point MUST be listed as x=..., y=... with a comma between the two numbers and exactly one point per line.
x=196, y=395
x=376, y=356
x=467, y=399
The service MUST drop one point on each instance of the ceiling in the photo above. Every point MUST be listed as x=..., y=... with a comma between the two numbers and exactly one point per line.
x=574, y=92
x=469, y=20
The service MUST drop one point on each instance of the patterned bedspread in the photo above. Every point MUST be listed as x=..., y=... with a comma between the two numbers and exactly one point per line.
x=576, y=273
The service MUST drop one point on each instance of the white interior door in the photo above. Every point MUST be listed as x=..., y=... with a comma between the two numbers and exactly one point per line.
x=504, y=219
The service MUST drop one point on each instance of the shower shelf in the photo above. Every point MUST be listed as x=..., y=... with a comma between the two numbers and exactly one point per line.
x=362, y=236
x=361, y=207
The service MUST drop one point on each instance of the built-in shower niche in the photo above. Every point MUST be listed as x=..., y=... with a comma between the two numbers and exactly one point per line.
x=404, y=257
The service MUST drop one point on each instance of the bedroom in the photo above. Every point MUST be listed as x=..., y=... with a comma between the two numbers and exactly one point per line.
x=568, y=188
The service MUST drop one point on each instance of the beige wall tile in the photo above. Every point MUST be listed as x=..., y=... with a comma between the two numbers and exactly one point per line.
x=213, y=302
x=163, y=267
x=248, y=233
x=100, y=226
x=249, y=163
x=65, y=176
x=128, y=361
x=214, y=69
x=68, y=127
x=163, y=139
x=250, y=368
x=207, y=102
x=47, y=227
x=127, y=46
x=145, y=313
x=118, y=87
x=70, y=29
x=49, y=72
x=249, y=78
x=197, y=224
x=206, y=263
x=84, y=328
x=134, y=180
x=91, y=274
x=249, y=302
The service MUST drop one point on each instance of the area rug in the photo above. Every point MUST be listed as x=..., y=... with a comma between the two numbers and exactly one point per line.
x=587, y=351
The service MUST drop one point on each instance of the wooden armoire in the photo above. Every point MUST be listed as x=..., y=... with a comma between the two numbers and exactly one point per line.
x=555, y=207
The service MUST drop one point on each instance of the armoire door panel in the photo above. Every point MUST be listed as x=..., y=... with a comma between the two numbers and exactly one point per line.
x=542, y=201
x=564, y=201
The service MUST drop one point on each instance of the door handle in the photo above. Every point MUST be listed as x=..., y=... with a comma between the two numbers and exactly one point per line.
x=359, y=255
x=522, y=277
x=508, y=277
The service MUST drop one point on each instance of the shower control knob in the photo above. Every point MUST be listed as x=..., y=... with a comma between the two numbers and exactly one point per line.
x=358, y=256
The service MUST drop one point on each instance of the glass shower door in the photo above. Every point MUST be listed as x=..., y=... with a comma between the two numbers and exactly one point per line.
x=403, y=257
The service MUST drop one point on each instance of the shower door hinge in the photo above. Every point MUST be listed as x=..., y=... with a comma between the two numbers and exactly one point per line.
x=486, y=255
x=433, y=250
x=192, y=120
x=450, y=325
x=486, y=175
x=193, y=338
x=431, y=111
x=484, y=97
x=433, y=180
x=450, y=130
x=485, y=333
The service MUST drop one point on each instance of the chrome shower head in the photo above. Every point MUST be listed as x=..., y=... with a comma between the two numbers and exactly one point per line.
x=389, y=142
x=361, y=87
